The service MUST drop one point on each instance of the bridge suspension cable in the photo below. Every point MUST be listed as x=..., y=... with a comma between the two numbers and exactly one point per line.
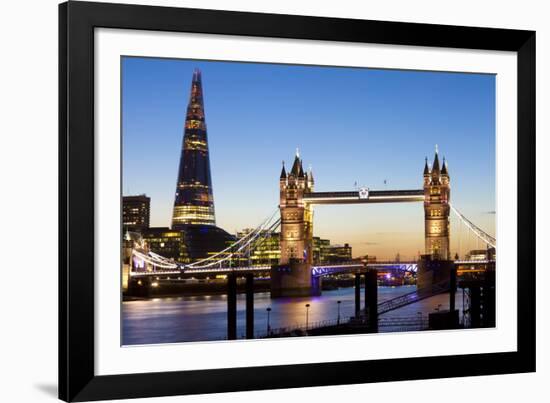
x=260, y=233
x=242, y=242
x=488, y=239
x=156, y=260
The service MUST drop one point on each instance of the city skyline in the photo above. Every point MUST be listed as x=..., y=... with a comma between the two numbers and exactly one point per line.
x=354, y=126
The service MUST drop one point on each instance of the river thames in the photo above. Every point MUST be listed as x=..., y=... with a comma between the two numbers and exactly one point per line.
x=204, y=318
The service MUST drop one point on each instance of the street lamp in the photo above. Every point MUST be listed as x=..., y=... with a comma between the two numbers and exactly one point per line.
x=268, y=309
x=307, y=315
x=338, y=320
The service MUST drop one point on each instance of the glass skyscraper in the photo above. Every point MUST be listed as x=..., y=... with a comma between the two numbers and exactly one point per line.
x=194, y=201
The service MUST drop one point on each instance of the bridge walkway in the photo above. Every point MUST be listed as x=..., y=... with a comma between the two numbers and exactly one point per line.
x=411, y=297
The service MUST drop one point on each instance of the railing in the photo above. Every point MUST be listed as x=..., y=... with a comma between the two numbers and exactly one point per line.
x=297, y=328
x=406, y=323
x=412, y=297
x=334, y=268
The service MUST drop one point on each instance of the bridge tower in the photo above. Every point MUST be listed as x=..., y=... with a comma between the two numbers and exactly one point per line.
x=296, y=217
x=293, y=275
x=437, y=194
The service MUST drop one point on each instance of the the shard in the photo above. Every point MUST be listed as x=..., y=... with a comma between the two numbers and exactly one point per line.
x=194, y=201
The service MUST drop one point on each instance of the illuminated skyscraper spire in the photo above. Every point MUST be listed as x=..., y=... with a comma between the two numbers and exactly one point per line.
x=194, y=201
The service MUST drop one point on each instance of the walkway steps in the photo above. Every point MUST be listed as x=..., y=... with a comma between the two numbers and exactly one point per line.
x=412, y=297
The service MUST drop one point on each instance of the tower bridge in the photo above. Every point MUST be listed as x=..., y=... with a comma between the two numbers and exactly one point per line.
x=297, y=274
x=298, y=196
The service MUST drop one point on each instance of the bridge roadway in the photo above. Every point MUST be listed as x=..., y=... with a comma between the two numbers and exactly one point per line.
x=316, y=271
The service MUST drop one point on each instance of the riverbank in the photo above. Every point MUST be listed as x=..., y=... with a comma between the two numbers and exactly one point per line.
x=176, y=289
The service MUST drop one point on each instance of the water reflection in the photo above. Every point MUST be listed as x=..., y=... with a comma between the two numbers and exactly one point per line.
x=202, y=318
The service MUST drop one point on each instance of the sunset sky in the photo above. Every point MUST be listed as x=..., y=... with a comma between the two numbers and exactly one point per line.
x=352, y=125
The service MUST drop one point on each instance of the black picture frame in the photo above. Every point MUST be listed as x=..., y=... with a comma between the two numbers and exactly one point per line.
x=77, y=21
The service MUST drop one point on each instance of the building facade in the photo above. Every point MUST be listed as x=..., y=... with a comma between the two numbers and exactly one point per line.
x=166, y=242
x=335, y=253
x=135, y=212
x=194, y=200
x=268, y=252
x=437, y=196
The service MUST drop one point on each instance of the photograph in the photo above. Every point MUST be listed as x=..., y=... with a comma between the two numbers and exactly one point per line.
x=265, y=200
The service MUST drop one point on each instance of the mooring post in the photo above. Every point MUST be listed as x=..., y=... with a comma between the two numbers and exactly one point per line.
x=488, y=310
x=231, y=306
x=475, y=306
x=452, y=286
x=366, y=291
x=357, y=294
x=371, y=299
x=249, y=305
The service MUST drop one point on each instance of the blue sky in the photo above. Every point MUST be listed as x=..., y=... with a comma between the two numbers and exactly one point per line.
x=351, y=124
